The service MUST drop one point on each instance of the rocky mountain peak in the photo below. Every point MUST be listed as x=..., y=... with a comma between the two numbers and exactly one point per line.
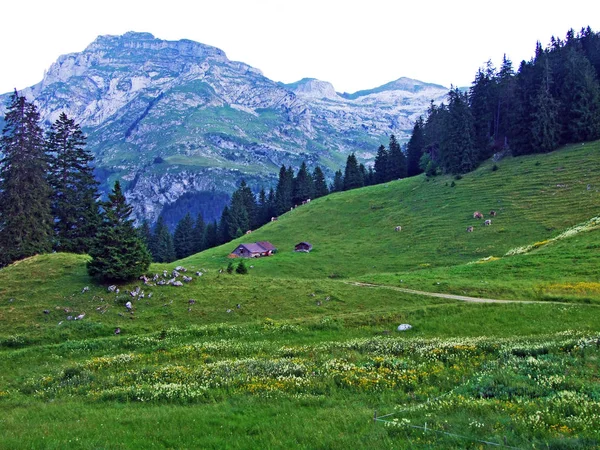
x=313, y=88
x=173, y=118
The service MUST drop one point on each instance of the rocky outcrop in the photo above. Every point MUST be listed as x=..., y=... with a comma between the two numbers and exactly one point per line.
x=170, y=117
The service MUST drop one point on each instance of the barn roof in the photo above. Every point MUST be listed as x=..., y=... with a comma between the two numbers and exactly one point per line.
x=266, y=245
x=258, y=247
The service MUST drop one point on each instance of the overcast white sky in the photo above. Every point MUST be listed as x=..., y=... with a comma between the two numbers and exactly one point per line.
x=352, y=44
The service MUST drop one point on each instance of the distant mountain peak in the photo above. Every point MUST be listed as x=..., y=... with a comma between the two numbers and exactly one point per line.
x=401, y=84
x=313, y=88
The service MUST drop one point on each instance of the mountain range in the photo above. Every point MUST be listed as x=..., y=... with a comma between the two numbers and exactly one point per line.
x=175, y=118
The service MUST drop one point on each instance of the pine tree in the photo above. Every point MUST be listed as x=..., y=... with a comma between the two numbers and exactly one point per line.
x=25, y=215
x=238, y=221
x=396, y=160
x=162, y=248
x=249, y=201
x=414, y=149
x=183, y=237
x=241, y=268
x=319, y=182
x=544, y=129
x=303, y=186
x=352, y=177
x=580, y=99
x=199, y=234
x=145, y=233
x=382, y=165
x=457, y=148
x=211, y=236
x=223, y=231
x=262, y=208
x=74, y=188
x=284, y=191
x=117, y=253
x=338, y=182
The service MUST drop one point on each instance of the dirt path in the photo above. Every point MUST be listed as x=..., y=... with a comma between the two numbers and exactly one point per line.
x=462, y=298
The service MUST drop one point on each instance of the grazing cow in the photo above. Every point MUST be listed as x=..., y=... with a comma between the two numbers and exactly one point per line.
x=308, y=200
x=477, y=215
x=492, y=213
x=273, y=219
x=470, y=229
x=488, y=222
x=249, y=231
x=398, y=228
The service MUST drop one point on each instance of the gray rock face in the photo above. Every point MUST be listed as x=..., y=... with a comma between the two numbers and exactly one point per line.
x=170, y=117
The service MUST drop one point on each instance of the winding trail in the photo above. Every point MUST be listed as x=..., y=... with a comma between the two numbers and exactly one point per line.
x=462, y=298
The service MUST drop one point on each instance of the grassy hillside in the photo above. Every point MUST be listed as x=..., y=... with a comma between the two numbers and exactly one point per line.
x=536, y=198
x=296, y=355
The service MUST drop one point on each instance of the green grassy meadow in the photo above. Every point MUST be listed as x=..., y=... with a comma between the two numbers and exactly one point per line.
x=295, y=355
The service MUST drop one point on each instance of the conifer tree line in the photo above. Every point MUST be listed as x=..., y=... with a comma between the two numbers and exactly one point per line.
x=48, y=193
x=49, y=198
x=246, y=211
x=553, y=99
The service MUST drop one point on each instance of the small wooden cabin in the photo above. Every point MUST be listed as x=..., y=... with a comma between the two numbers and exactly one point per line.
x=255, y=250
x=303, y=247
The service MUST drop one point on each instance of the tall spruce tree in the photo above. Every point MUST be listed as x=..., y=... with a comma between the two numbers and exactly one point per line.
x=249, y=201
x=199, y=233
x=544, y=129
x=580, y=99
x=414, y=149
x=382, y=165
x=211, y=236
x=284, y=190
x=118, y=253
x=162, y=248
x=396, y=160
x=25, y=214
x=303, y=186
x=183, y=237
x=338, y=182
x=352, y=175
x=145, y=233
x=458, y=143
x=223, y=231
x=74, y=187
x=319, y=182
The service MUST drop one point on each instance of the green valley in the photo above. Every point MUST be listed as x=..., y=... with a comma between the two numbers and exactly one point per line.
x=297, y=353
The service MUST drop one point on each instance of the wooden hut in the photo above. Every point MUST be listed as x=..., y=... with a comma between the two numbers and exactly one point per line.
x=255, y=250
x=303, y=247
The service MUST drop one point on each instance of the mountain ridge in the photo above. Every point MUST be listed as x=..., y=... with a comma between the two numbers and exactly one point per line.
x=209, y=120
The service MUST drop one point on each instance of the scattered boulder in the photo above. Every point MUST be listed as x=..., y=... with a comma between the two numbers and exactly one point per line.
x=180, y=269
x=404, y=327
x=199, y=273
x=80, y=316
x=85, y=289
x=191, y=301
x=398, y=228
x=177, y=283
x=487, y=222
x=187, y=279
x=112, y=288
x=470, y=229
x=46, y=311
x=117, y=330
x=175, y=273
x=129, y=306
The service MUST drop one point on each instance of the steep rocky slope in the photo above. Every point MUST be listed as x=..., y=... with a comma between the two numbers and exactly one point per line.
x=170, y=117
